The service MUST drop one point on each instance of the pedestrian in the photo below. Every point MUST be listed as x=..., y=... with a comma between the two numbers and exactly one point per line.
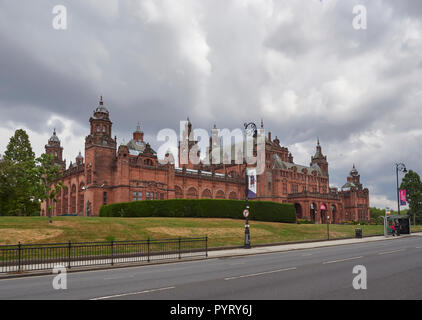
x=393, y=229
x=398, y=229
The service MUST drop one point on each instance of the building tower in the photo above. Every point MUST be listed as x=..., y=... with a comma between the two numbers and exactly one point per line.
x=320, y=160
x=100, y=157
x=54, y=148
x=353, y=180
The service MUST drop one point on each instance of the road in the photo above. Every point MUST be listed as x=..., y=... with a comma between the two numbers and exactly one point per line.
x=394, y=270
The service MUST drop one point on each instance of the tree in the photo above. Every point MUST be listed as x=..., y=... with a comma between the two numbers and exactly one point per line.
x=413, y=186
x=19, y=149
x=18, y=178
x=49, y=186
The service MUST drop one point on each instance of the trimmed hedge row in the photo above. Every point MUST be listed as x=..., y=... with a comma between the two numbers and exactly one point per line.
x=202, y=208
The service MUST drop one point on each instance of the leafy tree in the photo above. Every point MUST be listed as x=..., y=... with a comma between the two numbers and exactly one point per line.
x=18, y=178
x=19, y=149
x=49, y=186
x=413, y=185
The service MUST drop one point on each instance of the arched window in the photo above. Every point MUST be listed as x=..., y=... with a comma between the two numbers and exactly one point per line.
x=178, y=192
x=220, y=195
x=192, y=193
x=233, y=195
x=206, y=194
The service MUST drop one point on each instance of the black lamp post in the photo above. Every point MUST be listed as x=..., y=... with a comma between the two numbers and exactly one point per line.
x=402, y=168
x=249, y=128
x=328, y=227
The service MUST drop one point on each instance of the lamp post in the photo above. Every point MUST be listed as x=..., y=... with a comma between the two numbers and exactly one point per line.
x=328, y=227
x=249, y=128
x=402, y=168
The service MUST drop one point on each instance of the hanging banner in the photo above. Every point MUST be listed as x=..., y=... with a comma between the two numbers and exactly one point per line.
x=403, y=198
x=251, y=183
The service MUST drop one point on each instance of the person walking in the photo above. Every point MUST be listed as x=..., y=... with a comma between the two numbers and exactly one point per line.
x=393, y=229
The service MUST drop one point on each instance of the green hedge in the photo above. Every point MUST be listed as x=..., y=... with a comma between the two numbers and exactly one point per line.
x=202, y=208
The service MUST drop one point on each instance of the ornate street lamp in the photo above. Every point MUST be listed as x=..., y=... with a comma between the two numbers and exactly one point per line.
x=402, y=168
x=250, y=128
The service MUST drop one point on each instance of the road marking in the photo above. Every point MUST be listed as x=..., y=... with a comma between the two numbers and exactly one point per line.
x=259, y=274
x=119, y=278
x=132, y=293
x=389, y=252
x=306, y=254
x=342, y=260
x=419, y=247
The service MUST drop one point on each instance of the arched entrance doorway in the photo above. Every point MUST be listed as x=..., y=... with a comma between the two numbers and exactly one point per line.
x=334, y=214
x=324, y=213
x=299, y=213
x=313, y=212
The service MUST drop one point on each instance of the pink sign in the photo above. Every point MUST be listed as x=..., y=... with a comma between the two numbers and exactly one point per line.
x=403, y=198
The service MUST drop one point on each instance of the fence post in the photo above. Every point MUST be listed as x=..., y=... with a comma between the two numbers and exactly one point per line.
x=180, y=253
x=68, y=254
x=206, y=246
x=148, y=242
x=19, y=256
x=112, y=260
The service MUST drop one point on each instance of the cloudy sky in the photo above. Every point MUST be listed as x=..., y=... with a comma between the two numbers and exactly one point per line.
x=298, y=64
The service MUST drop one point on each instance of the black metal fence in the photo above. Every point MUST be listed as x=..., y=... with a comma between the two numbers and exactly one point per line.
x=18, y=258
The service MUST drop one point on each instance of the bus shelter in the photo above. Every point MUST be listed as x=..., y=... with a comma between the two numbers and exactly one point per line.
x=403, y=222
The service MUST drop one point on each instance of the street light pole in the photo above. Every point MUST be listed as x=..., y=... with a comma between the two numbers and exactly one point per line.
x=399, y=167
x=328, y=227
x=248, y=128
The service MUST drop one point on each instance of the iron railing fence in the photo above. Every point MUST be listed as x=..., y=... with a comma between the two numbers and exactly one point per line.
x=30, y=257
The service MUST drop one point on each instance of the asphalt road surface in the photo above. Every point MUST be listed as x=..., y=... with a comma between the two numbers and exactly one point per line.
x=394, y=271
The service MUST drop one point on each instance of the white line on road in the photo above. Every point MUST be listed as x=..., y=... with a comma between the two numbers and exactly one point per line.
x=419, y=247
x=259, y=274
x=342, y=260
x=132, y=293
x=389, y=252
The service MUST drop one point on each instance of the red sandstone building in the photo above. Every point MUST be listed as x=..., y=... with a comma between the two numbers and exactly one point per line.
x=132, y=172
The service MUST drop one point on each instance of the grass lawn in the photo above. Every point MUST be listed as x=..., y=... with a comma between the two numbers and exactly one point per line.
x=221, y=232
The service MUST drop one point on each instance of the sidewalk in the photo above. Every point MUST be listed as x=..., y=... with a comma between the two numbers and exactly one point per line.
x=300, y=246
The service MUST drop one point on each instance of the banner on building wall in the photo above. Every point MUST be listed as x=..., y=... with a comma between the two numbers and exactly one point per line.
x=403, y=197
x=251, y=183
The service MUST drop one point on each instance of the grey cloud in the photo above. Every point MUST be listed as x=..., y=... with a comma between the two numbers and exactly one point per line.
x=213, y=61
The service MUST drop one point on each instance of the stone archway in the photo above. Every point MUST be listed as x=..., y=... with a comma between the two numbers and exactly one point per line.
x=299, y=211
x=324, y=213
x=65, y=202
x=192, y=193
x=81, y=199
x=334, y=214
x=233, y=195
x=206, y=194
x=220, y=195
x=73, y=199
x=313, y=211
x=178, y=192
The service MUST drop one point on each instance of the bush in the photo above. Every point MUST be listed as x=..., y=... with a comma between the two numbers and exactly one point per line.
x=202, y=208
x=304, y=221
